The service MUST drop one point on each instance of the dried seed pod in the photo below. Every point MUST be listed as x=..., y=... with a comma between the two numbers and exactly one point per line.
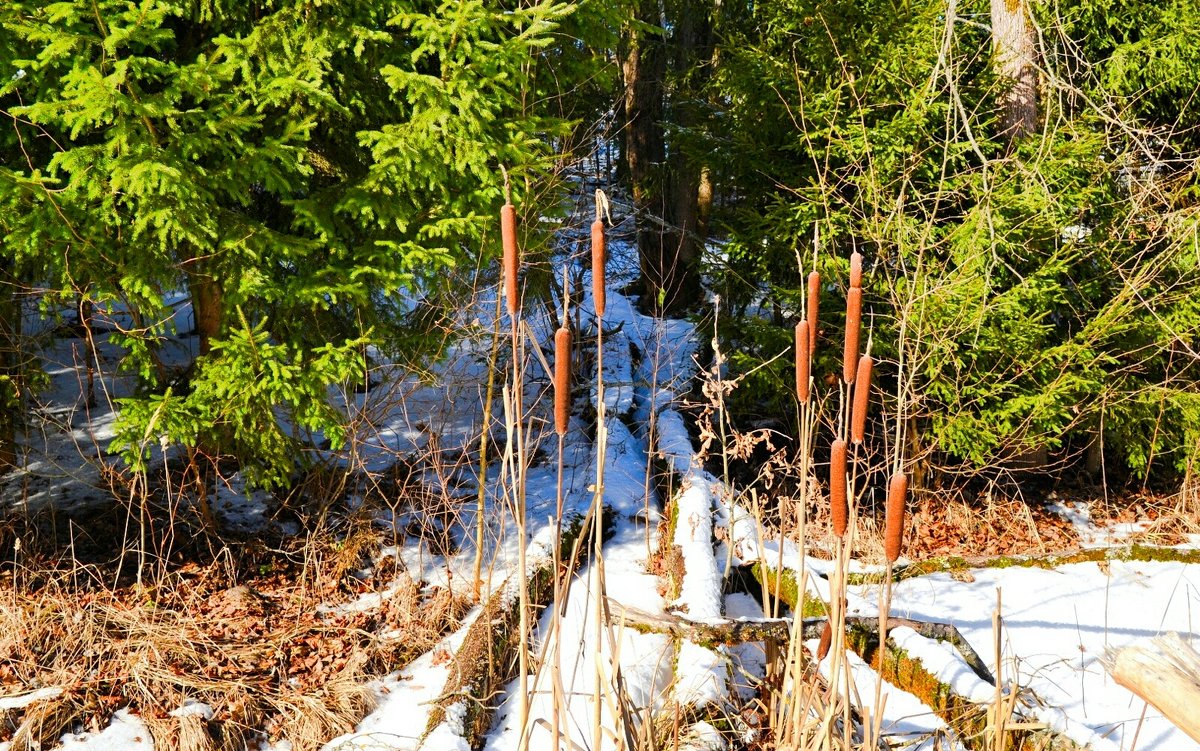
x=508, y=238
x=839, y=508
x=862, y=395
x=856, y=261
x=598, y=263
x=803, y=361
x=814, y=307
x=894, y=532
x=853, y=324
x=562, y=379
x=826, y=640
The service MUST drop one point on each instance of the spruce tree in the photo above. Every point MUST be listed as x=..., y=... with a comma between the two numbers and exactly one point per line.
x=292, y=165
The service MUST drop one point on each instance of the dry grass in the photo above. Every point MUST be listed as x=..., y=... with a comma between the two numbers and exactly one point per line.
x=240, y=632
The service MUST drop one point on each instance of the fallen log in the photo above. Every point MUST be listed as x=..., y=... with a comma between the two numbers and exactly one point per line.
x=1166, y=673
x=959, y=564
x=486, y=660
x=729, y=631
x=971, y=721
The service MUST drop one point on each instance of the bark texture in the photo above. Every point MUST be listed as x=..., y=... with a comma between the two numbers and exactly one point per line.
x=1015, y=47
x=10, y=335
x=670, y=194
x=206, y=306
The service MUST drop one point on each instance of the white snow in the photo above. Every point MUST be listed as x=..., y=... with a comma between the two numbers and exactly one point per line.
x=126, y=732
x=20, y=701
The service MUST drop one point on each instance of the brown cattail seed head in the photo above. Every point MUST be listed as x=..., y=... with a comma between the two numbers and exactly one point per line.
x=856, y=269
x=862, y=395
x=598, y=290
x=803, y=360
x=897, y=496
x=814, y=307
x=853, y=324
x=839, y=509
x=826, y=640
x=508, y=237
x=562, y=379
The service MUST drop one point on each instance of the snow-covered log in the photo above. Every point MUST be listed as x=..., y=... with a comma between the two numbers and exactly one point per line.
x=487, y=658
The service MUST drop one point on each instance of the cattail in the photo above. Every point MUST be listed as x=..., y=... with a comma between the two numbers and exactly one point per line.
x=839, y=509
x=562, y=379
x=856, y=269
x=894, y=534
x=862, y=393
x=598, y=292
x=508, y=237
x=803, y=360
x=814, y=306
x=826, y=640
x=853, y=323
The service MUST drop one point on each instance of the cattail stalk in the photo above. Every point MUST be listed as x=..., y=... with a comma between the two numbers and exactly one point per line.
x=598, y=253
x=824, y=643
x=803, y=361
x=508, y=237
x=814, y=307
x=853, y=324
x=562, y=379
x=894, y=531
x=862, y=392
x=856, y=261
x=839, y=508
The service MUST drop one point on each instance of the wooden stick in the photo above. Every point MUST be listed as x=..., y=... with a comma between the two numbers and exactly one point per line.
x=1166, y=673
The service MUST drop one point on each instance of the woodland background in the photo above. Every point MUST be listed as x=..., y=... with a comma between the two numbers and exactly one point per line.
x=321, y=178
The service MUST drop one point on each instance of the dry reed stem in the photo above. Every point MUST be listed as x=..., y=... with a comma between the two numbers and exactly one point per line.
x=853, y=324
x=839, y=509
x=803, y=361
x=562, y=379
x=508, y=236
x=598, y=266
x=862, y=394
x=894, y=531
x=814, y=307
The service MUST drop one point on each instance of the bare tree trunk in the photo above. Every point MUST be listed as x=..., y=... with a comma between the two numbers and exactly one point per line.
x=666, y=189
x=1015, y=46
x=10, y=360
x=687, y=222
x=84, y=309
x=704, y=202
x=643, y=66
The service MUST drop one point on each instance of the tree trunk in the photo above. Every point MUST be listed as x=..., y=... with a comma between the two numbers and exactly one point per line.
x=84, y=310
x=10, y=359
x=643, y=66
x=206, y=306
x=1015, y=46
x=667, y=189
x=686, y=220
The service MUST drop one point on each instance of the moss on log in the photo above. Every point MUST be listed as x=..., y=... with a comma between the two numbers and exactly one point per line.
x=968, y=719
x=954, y=564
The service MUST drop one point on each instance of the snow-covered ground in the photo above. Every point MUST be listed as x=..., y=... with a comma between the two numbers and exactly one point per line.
x=1056, y=623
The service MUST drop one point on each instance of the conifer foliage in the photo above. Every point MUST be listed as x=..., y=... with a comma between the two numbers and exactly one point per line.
x=292, y=165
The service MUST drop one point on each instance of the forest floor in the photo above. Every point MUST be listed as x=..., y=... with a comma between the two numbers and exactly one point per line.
x=178, y=610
